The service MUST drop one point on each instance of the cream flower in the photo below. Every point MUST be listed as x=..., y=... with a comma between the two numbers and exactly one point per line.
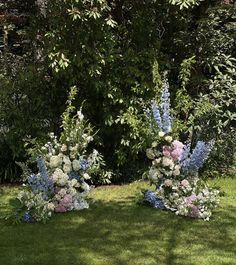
x=168, y=183
x=168, y=139
x=76, y=165
x=64, y=148
x=150, y=153
x=51, y=206
x=161, y=134
x=55, y=161
x=86, y=176
x=167, y=162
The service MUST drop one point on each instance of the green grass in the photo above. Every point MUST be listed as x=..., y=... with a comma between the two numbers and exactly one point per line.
x=116, y=230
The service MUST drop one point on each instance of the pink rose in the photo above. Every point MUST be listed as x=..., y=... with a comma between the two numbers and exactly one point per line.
x=166, y=151
x=185, y=183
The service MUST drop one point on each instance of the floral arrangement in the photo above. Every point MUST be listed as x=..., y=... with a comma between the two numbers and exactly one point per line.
x=174, y=169
x=65, y=168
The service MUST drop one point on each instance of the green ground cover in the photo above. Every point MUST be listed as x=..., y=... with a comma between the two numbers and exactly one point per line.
x=116, y=230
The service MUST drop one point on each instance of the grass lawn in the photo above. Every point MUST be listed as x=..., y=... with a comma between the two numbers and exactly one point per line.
x=116, y=230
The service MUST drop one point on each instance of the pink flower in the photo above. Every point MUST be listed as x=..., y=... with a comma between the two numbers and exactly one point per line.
x=59, y=208
x=190, y=199
x=166, y=151
x=194, y=211
x=177, y=145
x=67, y=201
x=175, y=151
x=185, y=183
x=168, y=183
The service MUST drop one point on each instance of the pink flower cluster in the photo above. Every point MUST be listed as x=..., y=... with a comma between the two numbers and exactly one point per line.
x=175, y=151
x=64, y=205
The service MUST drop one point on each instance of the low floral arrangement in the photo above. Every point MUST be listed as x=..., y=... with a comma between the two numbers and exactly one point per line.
x=64, y=169
x=174, y=169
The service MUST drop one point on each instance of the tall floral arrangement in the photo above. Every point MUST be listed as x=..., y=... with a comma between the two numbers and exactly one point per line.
x=175, y=167
x=64, y=169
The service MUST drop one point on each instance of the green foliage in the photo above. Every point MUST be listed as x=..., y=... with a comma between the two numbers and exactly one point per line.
x=215, y=113
x=107, y=49
x=185, y=3
x=183, y=101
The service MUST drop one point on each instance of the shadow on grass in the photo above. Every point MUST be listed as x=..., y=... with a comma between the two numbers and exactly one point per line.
x=120, y=233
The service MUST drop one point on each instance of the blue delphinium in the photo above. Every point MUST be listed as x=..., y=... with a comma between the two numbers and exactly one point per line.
x=41, y=183
x=165, y=107
x=42, y=167
x=157, y=115
x=161, y=113
x=195, y=161
x=154, y=201
x=84, y=164
x=185, y=157
x=26, y=217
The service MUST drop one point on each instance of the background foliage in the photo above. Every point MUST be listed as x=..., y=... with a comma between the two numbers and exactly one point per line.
x=107, y=49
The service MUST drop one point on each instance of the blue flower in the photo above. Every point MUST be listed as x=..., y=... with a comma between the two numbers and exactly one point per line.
x=42, y=167
x=74, y=175
x=26, y=217
x=41, y=183
x=161, y=113
x=165, y=107
x=157, y=115
x=154, y=201
x=191, y=163
x=84, y=164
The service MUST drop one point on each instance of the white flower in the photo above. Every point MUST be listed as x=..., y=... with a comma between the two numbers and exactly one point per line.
x=85, y=187
x=55, y=161
x=154, y=144
x=185, y=183
x=64, y=148
x=167, y=162
x=161, y=134
x=76, y=165
x=80, y=204
x=57, y=197
x=95, y=152
x=62, y=192
x=66, y=160
x=168, y=182
x=52, y=135
x=67, y=168
x=80, y=115
x=74, y=182
x=176, y=172
x=156, y=162
x=51, y=206
x=150, y=153
x=153, y=174
x=59, y=177
x=86, y=176
x=168, y=139
x=89, y=139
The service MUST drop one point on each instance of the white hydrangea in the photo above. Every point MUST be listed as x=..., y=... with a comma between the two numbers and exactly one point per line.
x=55, y=161
x=76, y=165
x=59, y=177
x=167, y=162
x=80, y=204
x=85, y=187
x=150, y=153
